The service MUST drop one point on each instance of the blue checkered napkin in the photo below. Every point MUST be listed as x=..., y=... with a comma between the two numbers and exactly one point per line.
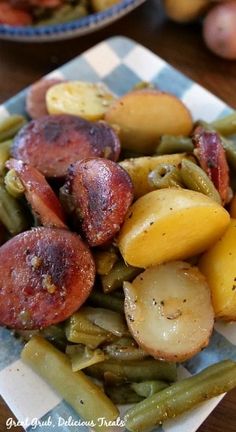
x=120, y=63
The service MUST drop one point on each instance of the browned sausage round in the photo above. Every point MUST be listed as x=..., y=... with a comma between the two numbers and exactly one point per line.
x=39, y=194
x=35, y=99
x=45, y=275
x=100, y=192
x=52, y=143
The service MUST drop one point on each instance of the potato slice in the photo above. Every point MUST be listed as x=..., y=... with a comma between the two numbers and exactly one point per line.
x=170, y=224
x=169, y=312
x=185, y=10
x=100, y=5
x=139, y=168
x=84, y=99
x=144, y=115
x=218, y=265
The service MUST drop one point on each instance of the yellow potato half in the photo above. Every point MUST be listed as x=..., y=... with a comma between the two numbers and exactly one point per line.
x=144, y=115
x=219, y=267
x=81, y=98
x=170, y=224
x=139, y=168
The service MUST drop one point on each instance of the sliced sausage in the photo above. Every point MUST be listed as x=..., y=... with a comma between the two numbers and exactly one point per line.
x=45, y=275
x=39, y=194
x=52, y=143
x=35, y=99
x=12, y=16
x=100, y=193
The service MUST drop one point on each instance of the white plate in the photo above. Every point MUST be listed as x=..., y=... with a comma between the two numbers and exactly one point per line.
x=120, y=63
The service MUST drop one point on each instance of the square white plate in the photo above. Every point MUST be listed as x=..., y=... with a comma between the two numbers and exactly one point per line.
x=120, y=63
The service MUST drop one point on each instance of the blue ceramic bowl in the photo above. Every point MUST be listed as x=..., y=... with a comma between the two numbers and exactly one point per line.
x=79, y=27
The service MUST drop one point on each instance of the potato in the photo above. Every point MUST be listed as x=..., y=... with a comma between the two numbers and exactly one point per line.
x=219, y=30
x=84, y=99
x=170, y=224
x=185, y=10
x=175, y=300
x=139, y=168
x=218, y=265
x=100, y=5
x=144, y=115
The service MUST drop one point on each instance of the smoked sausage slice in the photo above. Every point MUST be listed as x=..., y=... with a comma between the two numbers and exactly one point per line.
x=51, y=143
x=99, y=192
x=36, y=97
x=46, y=274
x=39, y=194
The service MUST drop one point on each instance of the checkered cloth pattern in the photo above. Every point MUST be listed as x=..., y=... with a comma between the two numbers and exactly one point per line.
x=120, y=63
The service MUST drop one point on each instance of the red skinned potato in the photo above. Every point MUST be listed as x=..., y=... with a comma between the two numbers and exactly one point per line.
x=52, y=143
x=46, y=274
x=12, y=16
x=36, y=97
x=219, y=30
x=99, y=192
x=212, y=158
x=39, y=194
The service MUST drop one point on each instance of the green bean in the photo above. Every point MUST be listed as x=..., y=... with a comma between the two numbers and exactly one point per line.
x=4, y=155
x=165, y=176
x=119, y=273
x=174, y=144
x=12, y=214
x=148, y=388
x=56, y=335
x=13, y=184
x=181, y=396
x=84, y=357
x=110, y=321
x=135, y=371
x=10, y=126
x=122, y=394
x=105, y=300
x=125, y=349
x=79, y=329
x=64, y=14
x=196, y=179
x=79, y=391
x=105, y=260
x=226, y=125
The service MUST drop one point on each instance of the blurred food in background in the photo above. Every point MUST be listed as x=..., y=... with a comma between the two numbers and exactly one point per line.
x=46, y=12
x=219, y=22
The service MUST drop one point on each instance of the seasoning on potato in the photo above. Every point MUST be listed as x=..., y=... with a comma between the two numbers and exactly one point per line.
x=81, y=98
x=144, y=115
x=170, y=224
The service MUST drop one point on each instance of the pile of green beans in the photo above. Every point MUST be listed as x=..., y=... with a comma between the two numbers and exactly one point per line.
x=182, y=396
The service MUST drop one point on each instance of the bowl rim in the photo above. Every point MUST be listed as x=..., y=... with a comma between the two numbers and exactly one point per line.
x=86, y=22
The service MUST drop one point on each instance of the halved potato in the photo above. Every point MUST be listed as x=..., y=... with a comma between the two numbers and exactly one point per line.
x=218, y=265
x=81, y=98
x=139, y=168
x=144, y=115
x=170, y=224
x=169, y=312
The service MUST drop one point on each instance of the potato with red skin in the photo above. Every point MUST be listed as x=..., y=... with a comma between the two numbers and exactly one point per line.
x=52, y=143
x=39, y=194
x=14, y=17
x=219, y=30
x=46, y=274
x=36, y=97
x=100, y=193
